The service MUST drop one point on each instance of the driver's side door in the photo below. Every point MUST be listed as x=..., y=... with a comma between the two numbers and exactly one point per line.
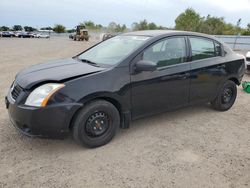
x=168, y=86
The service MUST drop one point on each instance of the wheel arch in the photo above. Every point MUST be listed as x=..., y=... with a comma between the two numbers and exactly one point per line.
x=231, y=78
x=235, y=80
x=124, y=120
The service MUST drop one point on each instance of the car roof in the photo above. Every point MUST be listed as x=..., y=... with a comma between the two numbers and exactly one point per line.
x=155, y=33
x=151, y=33
x=163, y=33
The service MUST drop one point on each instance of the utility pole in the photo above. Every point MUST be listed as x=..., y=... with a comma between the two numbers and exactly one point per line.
x=237, y=34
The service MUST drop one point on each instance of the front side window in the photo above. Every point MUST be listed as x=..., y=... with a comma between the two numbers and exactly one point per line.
x=114, y=50
x=203, y=48
x=167, y=52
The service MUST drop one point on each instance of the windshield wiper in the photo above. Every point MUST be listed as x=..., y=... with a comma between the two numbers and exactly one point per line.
x=89, y=62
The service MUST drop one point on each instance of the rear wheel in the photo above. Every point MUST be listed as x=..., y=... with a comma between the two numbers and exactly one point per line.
x=96, y=124
x=225, y=97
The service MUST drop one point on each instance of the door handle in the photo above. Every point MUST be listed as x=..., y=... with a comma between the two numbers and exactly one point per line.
x=177, y=76
x=184, y=76
x=221, y=66
x=169, y=77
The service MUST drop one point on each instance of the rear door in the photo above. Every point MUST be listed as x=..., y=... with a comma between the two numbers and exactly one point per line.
x=168, y=86
x=207, y=68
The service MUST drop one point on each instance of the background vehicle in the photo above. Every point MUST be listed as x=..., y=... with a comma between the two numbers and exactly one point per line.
x=7, y=34
x=81, y=34
x=32, y=35
x=127, y=77
x=16, y=33
x=71, y=36
x=23, y=35
x=248, y=62
x=41, y=35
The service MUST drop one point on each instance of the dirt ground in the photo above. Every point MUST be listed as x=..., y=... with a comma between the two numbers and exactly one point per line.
x=191, y=147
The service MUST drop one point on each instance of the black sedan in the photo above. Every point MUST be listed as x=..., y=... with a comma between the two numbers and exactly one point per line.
x=126, y=77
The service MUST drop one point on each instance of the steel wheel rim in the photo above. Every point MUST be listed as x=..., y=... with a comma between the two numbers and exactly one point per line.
x=227, y=95
x=97, y=124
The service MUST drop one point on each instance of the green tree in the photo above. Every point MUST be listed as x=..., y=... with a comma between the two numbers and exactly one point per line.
x=46, y=28
x=247, y=30
x=188, y=20
x=98, y=26
x=120, y=28
x=29, y=29
x=58, y=28
x=144, y=25
x=229, y=29
x=116, y=28
x=17, y=28
x=152, y=26
x=89, y=25
x=4, y=28
x=135, y=26
x=124, y=28
x=112, y=27
x=71, y=30
x=212, y=25
x=248, y=27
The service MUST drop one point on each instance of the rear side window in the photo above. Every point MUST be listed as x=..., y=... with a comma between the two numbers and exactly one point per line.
x=204, y=48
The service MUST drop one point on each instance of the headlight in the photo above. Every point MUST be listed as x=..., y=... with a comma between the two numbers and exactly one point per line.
x=40, y=96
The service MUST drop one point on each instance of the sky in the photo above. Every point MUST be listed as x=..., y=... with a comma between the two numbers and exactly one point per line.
x=41, y=13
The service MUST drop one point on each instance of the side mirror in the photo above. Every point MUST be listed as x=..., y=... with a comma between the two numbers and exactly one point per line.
x=143, y=65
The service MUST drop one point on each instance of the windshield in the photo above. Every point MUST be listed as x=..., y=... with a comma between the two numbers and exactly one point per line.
x=112, y=51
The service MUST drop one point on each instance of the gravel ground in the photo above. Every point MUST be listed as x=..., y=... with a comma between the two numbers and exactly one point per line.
x=191, y=147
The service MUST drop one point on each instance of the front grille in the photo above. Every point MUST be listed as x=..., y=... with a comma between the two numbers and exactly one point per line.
x=15, y=92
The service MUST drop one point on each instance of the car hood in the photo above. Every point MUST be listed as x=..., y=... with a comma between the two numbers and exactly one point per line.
x=57, y=71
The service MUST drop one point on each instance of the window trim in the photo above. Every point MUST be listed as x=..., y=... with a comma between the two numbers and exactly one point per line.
x=221, y=49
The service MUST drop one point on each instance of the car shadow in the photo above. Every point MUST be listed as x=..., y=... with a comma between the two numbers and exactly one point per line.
x=162, y=119
x=139, y=126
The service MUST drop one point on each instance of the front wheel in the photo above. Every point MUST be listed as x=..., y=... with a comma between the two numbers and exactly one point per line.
x=225, y=97
x=96, y=124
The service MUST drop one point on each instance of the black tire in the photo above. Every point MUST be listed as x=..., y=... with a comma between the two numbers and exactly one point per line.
x=85, y=122
x=225, y=97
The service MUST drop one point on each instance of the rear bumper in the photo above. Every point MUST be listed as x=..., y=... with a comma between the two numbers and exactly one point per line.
x=50, y=122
